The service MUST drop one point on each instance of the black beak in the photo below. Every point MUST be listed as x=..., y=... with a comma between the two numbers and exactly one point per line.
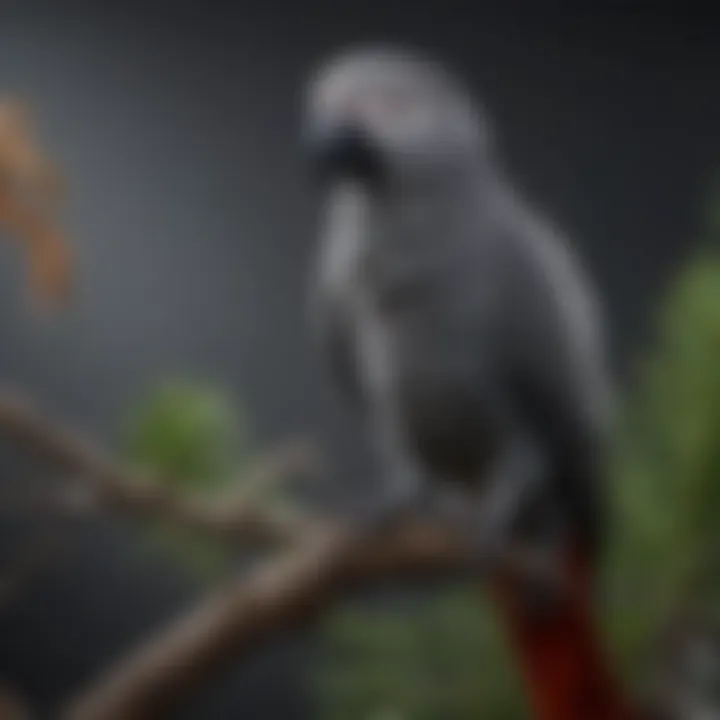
x=345, y=151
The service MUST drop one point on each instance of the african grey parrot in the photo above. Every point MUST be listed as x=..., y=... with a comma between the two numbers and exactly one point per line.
x=458, y=319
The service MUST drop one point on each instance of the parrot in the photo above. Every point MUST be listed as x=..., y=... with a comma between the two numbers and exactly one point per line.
x=465, y=329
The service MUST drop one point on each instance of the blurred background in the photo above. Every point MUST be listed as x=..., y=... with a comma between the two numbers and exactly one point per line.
x=175, y=126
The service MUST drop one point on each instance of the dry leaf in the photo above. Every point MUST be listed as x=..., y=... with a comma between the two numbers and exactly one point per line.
x=30, y=192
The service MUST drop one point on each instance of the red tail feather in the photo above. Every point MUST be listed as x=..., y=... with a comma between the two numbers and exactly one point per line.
x=559, y=653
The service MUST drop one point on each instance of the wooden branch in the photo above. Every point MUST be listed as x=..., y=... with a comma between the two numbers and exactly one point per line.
x=277, y=596
x=100, y=482
x=273, y=470
x=326, y=559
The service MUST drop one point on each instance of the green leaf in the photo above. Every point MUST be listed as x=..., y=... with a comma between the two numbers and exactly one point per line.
x=190, y=434
x=187, y=432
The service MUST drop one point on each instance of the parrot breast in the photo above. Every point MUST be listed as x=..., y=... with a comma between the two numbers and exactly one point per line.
x=443, y=412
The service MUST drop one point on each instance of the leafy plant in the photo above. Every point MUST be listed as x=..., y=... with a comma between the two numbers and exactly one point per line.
x=191, y=435
x=667, y=471
x=437, y=656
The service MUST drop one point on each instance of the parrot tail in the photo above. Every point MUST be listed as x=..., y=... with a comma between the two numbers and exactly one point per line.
x=559, y=652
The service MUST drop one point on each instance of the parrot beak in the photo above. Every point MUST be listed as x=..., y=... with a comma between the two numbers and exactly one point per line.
x=344, y=152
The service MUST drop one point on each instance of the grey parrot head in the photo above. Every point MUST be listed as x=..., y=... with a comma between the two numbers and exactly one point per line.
x=390, y=116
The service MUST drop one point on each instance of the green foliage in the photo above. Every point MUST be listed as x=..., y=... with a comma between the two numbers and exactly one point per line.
x=442, y=658
x=439, y=656
x=667, y=470
x=189, y=434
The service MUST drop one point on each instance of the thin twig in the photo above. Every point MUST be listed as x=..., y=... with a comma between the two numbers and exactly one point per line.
x=276, y=596
x=326, y=558
x=100, y=482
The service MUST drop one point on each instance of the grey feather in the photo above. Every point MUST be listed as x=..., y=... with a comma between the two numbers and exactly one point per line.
x=460, y=319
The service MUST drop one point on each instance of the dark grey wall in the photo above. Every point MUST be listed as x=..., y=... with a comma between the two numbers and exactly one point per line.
x=176, y=124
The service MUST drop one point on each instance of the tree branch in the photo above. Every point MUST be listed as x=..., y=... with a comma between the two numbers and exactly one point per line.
x=326, y=559
x=278, y=595
x=100, y=482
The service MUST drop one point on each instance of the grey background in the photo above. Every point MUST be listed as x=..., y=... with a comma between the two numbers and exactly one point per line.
x=176, y=125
